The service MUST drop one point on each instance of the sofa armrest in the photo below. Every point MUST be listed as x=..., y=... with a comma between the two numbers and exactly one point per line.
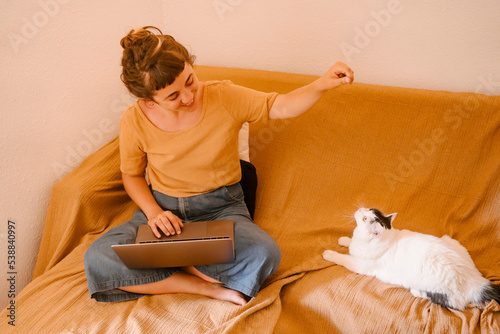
x=83, y=204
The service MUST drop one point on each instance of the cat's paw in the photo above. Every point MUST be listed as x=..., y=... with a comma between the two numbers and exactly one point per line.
x=330, y=255
x=344, y=241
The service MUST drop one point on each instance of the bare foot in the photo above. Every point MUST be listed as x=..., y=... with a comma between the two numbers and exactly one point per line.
x=233, y=296
x=219, y=292
x=187, y=283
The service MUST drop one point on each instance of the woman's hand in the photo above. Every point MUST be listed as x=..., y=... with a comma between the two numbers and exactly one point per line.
x=159, y=220
x=339, y=74
x=167, y=222
x=300, y=100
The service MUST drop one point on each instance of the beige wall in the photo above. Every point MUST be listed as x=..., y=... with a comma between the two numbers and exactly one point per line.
x=446, y=45
x=62, y=96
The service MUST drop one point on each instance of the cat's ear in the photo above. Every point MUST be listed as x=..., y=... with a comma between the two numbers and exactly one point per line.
x=392, y=216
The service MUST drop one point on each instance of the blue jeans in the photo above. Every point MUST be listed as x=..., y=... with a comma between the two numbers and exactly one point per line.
x=257, y=255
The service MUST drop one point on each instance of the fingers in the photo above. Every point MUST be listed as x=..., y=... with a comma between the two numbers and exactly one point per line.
x=339, y=74
x=166, y=222
x=344, y=72
x=346, y=80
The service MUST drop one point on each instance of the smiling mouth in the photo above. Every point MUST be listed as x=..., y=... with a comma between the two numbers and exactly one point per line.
x=188, y=104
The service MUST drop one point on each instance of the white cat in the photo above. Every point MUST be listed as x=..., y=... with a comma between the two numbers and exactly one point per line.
x=436, y=268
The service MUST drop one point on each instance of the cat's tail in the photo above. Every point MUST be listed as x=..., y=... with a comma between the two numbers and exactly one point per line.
x=489, y=292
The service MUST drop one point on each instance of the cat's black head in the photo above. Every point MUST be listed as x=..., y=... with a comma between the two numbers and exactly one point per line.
x=378, y=217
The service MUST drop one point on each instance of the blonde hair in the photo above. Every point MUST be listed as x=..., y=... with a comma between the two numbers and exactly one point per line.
x=151, y=61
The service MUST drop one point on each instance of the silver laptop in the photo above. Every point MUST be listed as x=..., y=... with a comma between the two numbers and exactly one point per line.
x=200, y=243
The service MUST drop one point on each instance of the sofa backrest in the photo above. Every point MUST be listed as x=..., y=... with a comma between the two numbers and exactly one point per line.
x=431, y=156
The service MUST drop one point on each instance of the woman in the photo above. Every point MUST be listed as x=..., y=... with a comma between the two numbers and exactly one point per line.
x=184, y=134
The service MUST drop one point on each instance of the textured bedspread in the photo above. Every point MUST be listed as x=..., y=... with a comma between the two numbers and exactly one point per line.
x=433, y=157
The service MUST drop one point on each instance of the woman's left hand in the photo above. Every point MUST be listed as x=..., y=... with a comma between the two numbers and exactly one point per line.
x=339, y=74
x=301, y=99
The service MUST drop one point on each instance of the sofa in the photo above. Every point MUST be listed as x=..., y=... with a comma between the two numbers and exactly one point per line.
x=431, y=156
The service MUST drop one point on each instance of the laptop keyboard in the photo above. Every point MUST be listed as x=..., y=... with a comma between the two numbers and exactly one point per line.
x=177, y=240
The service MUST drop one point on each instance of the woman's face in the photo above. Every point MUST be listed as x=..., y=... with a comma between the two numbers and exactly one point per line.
x=181, y=95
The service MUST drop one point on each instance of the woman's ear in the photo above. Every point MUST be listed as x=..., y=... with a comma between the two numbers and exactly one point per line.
x=149, y=103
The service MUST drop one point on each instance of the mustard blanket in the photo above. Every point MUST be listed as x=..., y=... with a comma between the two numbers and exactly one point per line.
x=431, y=156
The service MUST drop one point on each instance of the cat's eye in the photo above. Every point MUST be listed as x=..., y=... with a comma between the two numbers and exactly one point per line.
x=364, y=219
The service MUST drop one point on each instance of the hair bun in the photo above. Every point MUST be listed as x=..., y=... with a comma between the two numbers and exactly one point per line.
x=137, y=37
x=151, y=61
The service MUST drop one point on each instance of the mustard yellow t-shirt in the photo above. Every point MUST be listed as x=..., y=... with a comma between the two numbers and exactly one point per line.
x=198, y=159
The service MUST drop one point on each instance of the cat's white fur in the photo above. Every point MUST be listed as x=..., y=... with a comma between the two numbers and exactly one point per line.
x=437, y=268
